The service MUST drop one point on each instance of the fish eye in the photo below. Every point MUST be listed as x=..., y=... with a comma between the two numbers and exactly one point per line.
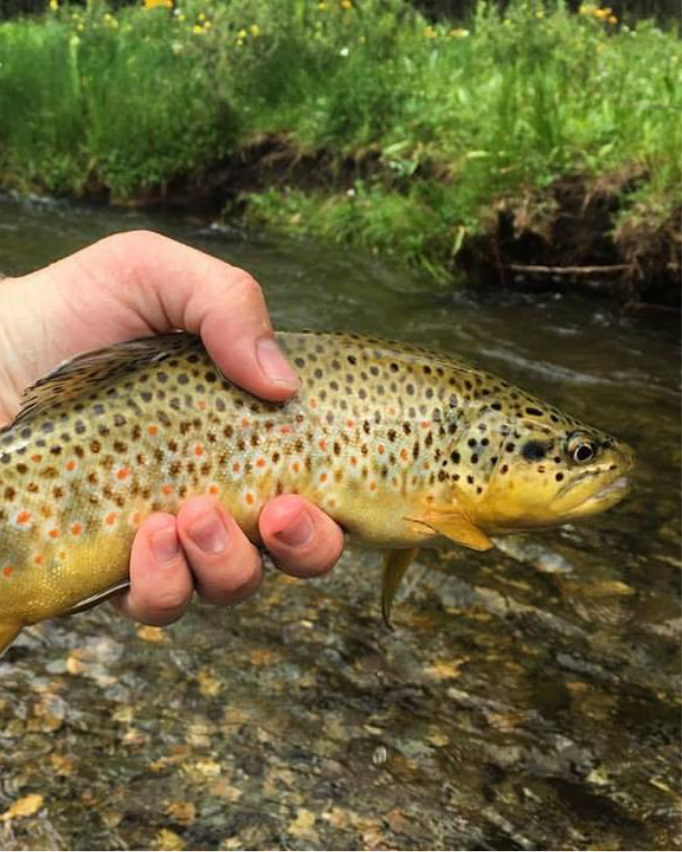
x=581, y=449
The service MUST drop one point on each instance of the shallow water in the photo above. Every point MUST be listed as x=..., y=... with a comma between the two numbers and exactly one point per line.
x=530, y=697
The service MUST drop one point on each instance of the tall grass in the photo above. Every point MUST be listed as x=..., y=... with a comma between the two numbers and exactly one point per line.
x=457, y=120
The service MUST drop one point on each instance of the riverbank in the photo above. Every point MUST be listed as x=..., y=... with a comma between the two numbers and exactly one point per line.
x=534, y=143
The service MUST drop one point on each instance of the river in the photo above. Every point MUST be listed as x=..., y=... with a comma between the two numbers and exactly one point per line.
x=530, y=697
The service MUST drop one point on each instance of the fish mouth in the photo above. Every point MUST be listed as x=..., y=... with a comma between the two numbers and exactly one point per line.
x=611, y=493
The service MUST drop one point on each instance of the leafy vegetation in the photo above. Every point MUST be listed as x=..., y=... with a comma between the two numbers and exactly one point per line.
x=444, y=124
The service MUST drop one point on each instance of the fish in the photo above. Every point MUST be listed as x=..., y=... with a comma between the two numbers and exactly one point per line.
x=401, y=446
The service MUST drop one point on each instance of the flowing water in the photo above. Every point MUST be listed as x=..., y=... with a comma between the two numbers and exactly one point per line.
x=530, y=697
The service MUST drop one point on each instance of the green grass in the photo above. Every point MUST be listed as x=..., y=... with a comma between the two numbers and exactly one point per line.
x=456, y=121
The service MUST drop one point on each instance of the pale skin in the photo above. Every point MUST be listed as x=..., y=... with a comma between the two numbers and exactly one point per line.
x=133, y=285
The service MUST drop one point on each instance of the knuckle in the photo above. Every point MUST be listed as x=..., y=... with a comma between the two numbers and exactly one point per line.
x=247, y=286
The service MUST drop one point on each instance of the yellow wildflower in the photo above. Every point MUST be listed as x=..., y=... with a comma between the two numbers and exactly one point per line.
x=540, y=14
x=255, y=30
x=54, y=5
x=612, y=19
x=242, y=34
x=460, y=33
x=346, y=4
x=201, y=16
x=321, y=6
x=153, y=4
x=197, y=29
x=429, y=32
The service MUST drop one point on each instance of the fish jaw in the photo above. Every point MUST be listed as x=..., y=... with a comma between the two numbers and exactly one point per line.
x=524, y=501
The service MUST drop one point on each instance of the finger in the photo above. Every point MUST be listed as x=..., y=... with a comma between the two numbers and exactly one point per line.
x=226, y=566
x=160, y=579
x=166, y=285
x=301, y=538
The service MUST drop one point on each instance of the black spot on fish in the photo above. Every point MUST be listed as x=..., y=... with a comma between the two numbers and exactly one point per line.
x=534, y=451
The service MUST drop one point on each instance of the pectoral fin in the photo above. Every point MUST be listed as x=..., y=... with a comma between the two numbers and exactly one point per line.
x=98, y=598
x=8, y=633
x=396, y=563
x=455, y=526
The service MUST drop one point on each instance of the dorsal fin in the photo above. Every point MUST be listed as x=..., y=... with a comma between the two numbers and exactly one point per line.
x=93, y=369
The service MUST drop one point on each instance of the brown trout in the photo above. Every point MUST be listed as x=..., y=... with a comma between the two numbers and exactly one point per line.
x=399, y=445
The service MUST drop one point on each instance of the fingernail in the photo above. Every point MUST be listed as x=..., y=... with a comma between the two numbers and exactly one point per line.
x=209, y=533
x=274, y=364
x=299, y=533
x=165, y=545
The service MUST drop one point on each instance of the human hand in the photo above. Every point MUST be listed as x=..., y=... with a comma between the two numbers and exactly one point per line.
x=133, y=285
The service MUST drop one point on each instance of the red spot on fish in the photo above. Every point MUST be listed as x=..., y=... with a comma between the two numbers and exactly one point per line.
x=296, y=466
x=323, y=477
x=391, y=410
x=167, y=489
x=76, y=529
x=39, y=559
x=381, y=449
x=213, y=489
x=71, y=464
x=260, y=463
x=322, y=444
x=110, y=519
x=372, y=486
x=201, y=404
x=245, y=422
x=236, y=467
x=137, y=519
x=123, y=473
x=152, y=429
x=250, y=499
x=23, y=517
x=312, y=402
x=285, y=430
x=8, y=570
x=426, y=424
x=350, y=423
x=36, y=458
x=53, y=533
x=353, y=460
x=198, y=450
x=404, y=455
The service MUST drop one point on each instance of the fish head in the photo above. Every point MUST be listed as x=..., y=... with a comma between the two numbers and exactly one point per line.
x=551, y=470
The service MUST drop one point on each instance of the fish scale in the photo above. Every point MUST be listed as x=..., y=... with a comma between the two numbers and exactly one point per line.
x=398, y=444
